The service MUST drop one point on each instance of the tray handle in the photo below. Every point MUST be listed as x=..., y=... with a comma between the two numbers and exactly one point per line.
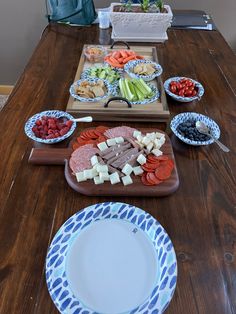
x=117, y=98
x=120, y=42
x=49, y=156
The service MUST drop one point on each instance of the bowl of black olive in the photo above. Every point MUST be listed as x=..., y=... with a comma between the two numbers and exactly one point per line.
x=184, y=127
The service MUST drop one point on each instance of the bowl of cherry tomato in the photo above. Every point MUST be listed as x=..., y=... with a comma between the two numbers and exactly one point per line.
x=183, y=89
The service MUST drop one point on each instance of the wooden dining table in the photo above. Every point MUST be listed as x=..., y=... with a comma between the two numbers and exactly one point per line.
x=200, y=217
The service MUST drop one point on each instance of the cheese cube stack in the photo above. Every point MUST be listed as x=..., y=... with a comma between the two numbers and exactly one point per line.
x=137, y=170
x=98, y=180
x=151, y=141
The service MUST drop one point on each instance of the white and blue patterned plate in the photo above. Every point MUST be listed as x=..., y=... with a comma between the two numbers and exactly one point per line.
x=111, y=258
x=182, y=117
x=180, y=98
x=92, y=80
x=131, y=64
x=49, y=113
x=156, y=95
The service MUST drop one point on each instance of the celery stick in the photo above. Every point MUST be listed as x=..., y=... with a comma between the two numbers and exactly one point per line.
x=133, y=90
x=145, y=86
x=142, y=87
x=122, y=88
x=129, y=94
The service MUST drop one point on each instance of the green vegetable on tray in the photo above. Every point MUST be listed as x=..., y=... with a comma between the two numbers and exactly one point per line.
x=135, y=89
x=106, y=73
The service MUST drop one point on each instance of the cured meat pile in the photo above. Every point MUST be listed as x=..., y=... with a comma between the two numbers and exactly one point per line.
x=80, y=158
x=124, y=131
x=116, y=157
x=156, y=169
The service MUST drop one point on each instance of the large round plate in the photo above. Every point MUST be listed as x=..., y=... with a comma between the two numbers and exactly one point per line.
x=111, y=258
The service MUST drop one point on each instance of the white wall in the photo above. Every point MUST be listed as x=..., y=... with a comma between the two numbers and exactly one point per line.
x=22, y=22
x=21, y=25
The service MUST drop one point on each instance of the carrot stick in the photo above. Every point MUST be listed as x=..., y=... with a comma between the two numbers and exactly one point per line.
x=128, y=59
x=123, y=53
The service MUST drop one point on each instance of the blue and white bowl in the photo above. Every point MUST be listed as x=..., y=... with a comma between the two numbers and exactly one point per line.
x=91, y=80
x=183, y=117
x=131, y=64
x=49, y=113
x=180, y=98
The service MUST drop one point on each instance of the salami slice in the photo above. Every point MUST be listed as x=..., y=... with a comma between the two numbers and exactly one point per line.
x=124, y=131
x=80, y=158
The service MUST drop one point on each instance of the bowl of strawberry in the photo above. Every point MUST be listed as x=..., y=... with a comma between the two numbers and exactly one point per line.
x=183, y=89
x=50, y=126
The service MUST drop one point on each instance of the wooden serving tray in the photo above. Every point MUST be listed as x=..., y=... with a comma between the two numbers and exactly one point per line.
x=60, y=156
x=118, y=111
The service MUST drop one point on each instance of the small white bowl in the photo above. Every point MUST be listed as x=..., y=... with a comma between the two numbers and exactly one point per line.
x=183, y=117
x=49, y=113
x=180, y=98
x=131, y=64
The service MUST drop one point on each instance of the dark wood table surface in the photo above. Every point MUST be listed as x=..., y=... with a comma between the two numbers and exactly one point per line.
x=200, y=216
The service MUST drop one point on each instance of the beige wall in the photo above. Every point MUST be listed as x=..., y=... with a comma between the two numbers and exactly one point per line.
x=22, y=22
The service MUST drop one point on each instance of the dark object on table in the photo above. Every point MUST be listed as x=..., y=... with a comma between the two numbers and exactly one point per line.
x=193, y=19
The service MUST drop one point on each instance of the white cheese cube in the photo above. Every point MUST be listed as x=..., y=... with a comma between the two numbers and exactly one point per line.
x=80, y=176
x=102, y=146
x=127, y=180
x=159, y=135
x=94, y=173
x=162, y=140
x=157, y=143
x=152, y=136
x=146, y=140
x=140, y=138
x=98, y=180
x=137, y=170
x=89, y=173
x=104, y=176
x=150, y=147
x=94, y=160
x=102, y=168
x=127, y=169
x=111, y=142
x=157, y=152
x=114, y=178
x=119, y=139
x=141, y=159
x=136, y=133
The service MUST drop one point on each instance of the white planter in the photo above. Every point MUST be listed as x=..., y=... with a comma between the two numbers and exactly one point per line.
x=144, y=27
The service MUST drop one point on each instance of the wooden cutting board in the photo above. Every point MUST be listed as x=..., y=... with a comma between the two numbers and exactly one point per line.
x=118, y=111
x=60, y=156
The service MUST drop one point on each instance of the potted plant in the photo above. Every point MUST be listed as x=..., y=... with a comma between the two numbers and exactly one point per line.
x=146, y=21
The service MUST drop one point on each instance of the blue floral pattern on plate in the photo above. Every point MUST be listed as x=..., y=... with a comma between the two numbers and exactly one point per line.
x=92, y=80
x=180, y=98
x=156, y=95
x=50, y=113
x=57, y=283
x=182, y=117
x=131, y=64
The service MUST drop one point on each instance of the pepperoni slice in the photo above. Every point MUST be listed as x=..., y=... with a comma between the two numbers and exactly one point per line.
x=162, y=157
x=152, y=178
x=162, y=172
x=149, y=165
x=144, y=180
x=148, y=169
x=102, y=128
